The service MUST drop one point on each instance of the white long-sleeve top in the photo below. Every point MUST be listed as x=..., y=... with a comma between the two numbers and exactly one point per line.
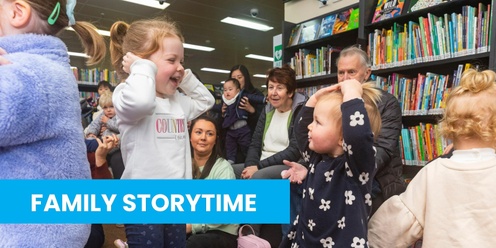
x=154, y=134
x=450, y=203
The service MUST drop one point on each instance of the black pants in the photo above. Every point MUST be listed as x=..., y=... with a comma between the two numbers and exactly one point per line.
x=214, y=238
x=97, y=237
x=115, y=162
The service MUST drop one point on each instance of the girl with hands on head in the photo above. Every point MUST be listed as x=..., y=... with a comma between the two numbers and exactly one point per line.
x=148, y=56
x=350, y=89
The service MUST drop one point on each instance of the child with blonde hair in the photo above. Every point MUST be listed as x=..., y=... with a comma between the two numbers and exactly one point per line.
x=40, y=114
x=450, y=202
x=105, y=124
x=148, y=56
x=335, y=132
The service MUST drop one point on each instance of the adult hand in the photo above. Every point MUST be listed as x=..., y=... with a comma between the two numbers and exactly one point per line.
x=245, y=104
x=249, y=171
x=296, y=173
x=3, y=61
x=128, y=60
x=312, y=101
x=189, y=228
x=104, y=146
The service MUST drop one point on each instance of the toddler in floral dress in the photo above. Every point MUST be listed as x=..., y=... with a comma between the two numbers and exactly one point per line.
x=335, y=132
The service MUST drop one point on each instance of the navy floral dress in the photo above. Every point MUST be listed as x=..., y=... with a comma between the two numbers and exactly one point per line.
x=336, y=192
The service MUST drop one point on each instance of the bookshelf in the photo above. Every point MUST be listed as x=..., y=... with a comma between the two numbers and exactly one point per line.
x=436, y=57
x=443, y=65
x=321, y=63
x=88, y=80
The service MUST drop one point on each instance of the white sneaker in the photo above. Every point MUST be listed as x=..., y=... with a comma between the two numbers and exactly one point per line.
x=120, y=244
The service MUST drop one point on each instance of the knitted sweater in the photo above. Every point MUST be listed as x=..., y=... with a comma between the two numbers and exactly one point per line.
x=41, y=135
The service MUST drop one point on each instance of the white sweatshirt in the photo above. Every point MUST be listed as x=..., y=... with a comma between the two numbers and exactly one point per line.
x=448, y=203
x=154, y=134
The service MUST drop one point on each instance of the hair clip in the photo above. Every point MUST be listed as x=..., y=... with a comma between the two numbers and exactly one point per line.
x=55, y=14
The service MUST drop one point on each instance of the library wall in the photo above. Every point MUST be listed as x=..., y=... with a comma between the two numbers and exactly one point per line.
x=298, y=11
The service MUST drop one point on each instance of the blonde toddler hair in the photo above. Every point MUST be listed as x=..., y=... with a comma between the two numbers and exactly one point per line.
x=105, y=99
x=471, y=108
x=371, y=96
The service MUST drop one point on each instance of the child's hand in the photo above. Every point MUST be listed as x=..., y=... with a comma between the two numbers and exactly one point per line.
x=322, y=92
x=3, y=61
x=351, y=89
x=105, y=119
x=296, y=173
x=128, y=60
x=224, y=108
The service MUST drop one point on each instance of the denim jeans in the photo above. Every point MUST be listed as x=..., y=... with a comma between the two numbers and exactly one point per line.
x=156, y=235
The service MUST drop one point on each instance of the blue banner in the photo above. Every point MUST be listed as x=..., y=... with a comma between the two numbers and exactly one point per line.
x=144, y=201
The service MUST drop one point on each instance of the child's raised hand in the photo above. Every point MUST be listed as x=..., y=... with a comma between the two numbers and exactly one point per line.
x=128, y=60
x=324, y=91
x=351, y=89
x=296, y=173
x=3, y=61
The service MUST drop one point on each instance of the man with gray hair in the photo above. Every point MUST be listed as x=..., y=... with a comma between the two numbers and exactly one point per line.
x=353, y=63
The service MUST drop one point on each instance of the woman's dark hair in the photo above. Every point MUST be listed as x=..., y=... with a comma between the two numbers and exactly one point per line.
x=248, y=85
x=216, y=152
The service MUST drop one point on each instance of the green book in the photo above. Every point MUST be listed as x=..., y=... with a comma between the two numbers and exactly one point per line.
x=354, y=17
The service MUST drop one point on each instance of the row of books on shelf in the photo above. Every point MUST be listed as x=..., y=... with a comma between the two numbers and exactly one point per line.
x=425, y=94
x=420, y=144
x=95, y=75
x=311, y=63
x=327, y=26
x=432, y=38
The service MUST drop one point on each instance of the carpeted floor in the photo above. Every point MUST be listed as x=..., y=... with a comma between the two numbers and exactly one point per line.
x=112, y=232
